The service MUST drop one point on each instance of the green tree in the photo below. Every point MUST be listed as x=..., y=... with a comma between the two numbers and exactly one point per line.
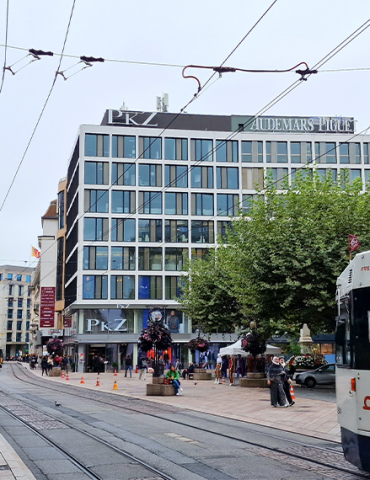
x=283, y=260
x=206, y=295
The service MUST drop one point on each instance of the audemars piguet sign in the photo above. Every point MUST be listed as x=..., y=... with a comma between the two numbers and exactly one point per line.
x=294, y=124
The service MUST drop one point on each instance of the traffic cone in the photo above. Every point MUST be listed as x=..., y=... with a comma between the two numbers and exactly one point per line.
x=62, y=375
x=115, y=373
x=137, y=369
x=67, y=377
x=292, y=392
x=115, y=386
x=97, y=382
x=82, y=381
x=223, y=380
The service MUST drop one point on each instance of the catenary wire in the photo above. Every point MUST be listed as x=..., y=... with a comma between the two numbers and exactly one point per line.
x=324, y=60
x=6, y=45
x=42, y=110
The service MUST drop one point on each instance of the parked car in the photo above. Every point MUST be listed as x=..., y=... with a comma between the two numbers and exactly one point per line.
x=324, y=375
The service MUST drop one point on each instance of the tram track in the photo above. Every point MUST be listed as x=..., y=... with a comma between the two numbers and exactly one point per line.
x=298, y=450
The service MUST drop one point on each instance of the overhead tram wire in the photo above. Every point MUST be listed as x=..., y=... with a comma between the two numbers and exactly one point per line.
x=42, y=110
x=6, y=45
x=272, y=103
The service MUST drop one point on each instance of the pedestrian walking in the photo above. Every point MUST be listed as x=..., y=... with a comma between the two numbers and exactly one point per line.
x=50, y=364
x=224, y=367
x=98, y=363
x=174, y=377
x=275, y=378
x=286, y=382
x=65, y=363
x=44, y=366
x=142, y=364
x=128, y=365
x=231, y=370
x=218, y=373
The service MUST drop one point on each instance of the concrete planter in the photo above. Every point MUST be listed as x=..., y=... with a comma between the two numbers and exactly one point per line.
x=201, y=374
x=254, y=380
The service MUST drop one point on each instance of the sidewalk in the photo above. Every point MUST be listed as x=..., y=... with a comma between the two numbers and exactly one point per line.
x=11, y=465
x=315, y=418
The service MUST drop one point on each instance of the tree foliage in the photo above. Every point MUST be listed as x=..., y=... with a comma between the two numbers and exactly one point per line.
x=281, y=262
x=206, y=296
x=285, y=257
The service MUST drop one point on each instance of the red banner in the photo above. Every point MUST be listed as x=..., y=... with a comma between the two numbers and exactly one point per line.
x=354, y=243
x=47, y=307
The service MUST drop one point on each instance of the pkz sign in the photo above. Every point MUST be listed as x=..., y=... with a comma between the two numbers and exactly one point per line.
x=111, y=325
x=294, y=124
x=133, y=119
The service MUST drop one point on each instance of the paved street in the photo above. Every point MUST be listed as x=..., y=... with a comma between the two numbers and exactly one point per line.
x=173, y=434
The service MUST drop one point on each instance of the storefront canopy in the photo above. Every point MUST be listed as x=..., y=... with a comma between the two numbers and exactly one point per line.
x=236, y=349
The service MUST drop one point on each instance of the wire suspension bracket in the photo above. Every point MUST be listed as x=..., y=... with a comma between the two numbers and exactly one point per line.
x=221, y=70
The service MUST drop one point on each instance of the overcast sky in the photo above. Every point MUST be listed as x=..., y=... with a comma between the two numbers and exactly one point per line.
x=190, y=32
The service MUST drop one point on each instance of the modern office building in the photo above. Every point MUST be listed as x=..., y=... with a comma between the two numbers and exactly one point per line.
x=146, y=191
x=15, y=310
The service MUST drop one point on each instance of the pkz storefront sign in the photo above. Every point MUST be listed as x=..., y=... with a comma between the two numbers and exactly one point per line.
x=112, y=325
x=294, y=124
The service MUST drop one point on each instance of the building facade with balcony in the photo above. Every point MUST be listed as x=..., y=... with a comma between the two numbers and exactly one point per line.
x=141, y=199
x=15, y=310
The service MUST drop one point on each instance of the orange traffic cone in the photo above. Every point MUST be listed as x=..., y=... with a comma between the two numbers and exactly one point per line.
x=115, y=373
x=115, y=386
x=67, y=377
x=223, y=380
x=62, y=375
x=82, y=381
x=97, y=382
x=137, y=369
x=292, y=392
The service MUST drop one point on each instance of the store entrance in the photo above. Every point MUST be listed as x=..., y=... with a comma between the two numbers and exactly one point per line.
x=91, y=352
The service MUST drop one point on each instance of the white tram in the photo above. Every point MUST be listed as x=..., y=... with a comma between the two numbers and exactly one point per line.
x=353, y=360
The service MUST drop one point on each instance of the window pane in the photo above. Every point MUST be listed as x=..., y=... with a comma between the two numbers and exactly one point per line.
x=90, y=173
x=90, y=145
x=221, y=151
x=170, y=149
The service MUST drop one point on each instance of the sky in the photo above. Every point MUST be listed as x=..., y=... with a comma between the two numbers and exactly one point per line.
x=181, y=33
